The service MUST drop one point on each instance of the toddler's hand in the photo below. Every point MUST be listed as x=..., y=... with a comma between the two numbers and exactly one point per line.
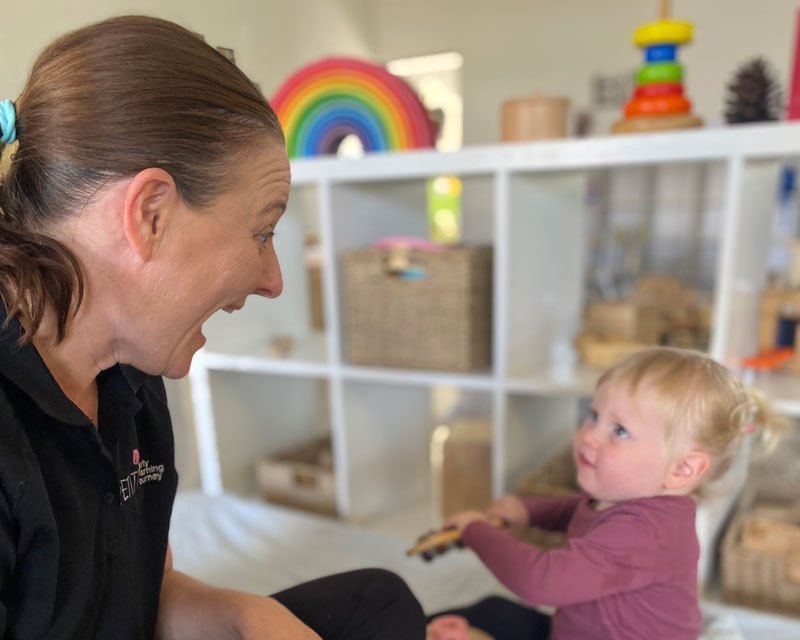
x=512, y=510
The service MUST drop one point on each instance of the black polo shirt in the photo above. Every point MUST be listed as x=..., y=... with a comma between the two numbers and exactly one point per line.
x=84, y=511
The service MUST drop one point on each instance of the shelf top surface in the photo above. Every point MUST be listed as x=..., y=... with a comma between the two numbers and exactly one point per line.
x=750, y=141
x=782, y=389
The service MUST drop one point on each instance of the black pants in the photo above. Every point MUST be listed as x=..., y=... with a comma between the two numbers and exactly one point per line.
x=369, y=604
x=505, y=620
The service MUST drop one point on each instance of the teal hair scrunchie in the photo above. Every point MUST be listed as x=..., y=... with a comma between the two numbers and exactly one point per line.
x=8, y=122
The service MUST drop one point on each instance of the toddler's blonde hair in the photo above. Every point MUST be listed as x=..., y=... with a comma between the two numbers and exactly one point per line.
x=701, y=404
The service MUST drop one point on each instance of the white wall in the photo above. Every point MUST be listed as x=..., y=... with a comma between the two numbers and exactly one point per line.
x=270, y=38
x=516, y=47
x=510, y=47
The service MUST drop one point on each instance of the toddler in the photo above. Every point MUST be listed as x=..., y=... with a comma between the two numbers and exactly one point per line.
x=662, y=423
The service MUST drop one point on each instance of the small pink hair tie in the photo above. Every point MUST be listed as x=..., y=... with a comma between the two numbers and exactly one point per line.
x=750, y=426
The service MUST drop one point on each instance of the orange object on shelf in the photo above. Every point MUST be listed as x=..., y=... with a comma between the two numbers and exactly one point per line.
x=657, y=105
x=769, y=359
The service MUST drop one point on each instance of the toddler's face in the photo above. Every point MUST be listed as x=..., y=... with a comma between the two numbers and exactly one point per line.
x=620, y=450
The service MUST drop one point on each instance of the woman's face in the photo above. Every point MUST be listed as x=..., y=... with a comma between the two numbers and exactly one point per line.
x=213, y=259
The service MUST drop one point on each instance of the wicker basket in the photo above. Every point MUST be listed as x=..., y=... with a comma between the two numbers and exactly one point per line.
x=302, y=477
x=767, y=578
x=439, y=318
x=554, y=478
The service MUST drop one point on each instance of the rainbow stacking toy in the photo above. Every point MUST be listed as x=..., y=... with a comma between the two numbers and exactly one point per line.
x=658, y=101
x=324, y=102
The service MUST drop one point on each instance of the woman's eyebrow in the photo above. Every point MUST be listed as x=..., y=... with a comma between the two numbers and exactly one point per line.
x=277, y=205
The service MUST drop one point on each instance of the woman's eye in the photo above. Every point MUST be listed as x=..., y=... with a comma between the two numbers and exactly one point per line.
x=263, y=237
x=620, y=431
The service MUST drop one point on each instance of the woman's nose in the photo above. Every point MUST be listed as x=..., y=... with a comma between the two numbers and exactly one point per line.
x=271, y=283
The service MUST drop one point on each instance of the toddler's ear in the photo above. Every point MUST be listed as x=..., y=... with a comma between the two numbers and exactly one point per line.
x=687, y=471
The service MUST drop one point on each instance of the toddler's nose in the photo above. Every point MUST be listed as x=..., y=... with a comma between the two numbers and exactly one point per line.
x=588, y=437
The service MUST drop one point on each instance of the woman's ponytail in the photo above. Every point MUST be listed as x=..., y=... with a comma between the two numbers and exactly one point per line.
x=36, y=272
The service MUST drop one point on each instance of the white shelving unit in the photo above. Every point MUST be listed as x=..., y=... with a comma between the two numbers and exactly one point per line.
x=529, y=201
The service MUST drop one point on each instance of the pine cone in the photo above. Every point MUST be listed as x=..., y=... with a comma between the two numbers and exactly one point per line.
x=753, y=94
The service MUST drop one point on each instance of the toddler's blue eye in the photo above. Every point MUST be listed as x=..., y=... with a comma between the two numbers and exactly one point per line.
x=593, y=415
x=620, y=431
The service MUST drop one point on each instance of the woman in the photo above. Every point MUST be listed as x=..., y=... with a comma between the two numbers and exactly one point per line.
x=142, y=198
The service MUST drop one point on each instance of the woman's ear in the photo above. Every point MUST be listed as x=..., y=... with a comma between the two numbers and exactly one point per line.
x=150, y=198
x=687, y=471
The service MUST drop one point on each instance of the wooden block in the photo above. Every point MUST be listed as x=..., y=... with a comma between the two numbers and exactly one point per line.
x=604, y=352
x=315, y=293
x=658, y=290
x=313, y=260
x=467, y=466
x=772, y=301
x=777, y=510
x=771, y=536
x=625, y=320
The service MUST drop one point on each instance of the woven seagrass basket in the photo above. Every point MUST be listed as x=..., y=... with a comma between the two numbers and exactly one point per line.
x=434, y=311
x=763, y=574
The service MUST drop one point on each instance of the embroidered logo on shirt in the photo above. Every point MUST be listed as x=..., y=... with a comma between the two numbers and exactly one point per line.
x=144, y=473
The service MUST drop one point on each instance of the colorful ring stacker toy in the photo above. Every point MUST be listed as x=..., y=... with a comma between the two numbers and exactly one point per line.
x=658, y=102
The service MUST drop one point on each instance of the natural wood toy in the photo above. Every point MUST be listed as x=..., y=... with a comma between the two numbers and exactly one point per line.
x=443, y=540
x=778, y=329
x=658, y=101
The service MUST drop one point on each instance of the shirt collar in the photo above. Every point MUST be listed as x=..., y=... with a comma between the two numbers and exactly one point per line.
x=24, y=367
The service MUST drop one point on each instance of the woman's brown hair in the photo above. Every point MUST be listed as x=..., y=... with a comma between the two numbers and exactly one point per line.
x=103, y=103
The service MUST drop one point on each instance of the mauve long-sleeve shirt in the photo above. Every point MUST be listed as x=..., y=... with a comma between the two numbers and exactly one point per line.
x=627, y=572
